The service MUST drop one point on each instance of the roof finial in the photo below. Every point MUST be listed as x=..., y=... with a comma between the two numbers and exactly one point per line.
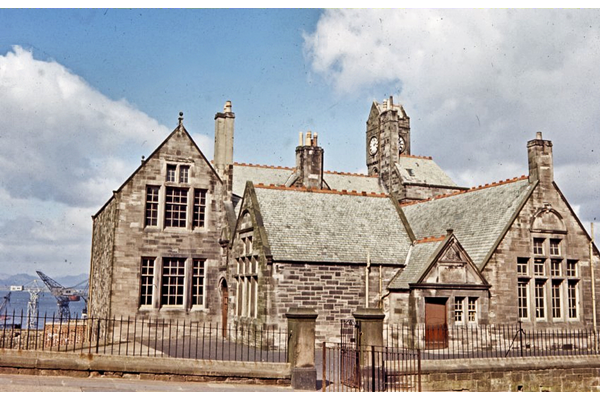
x=180, y=118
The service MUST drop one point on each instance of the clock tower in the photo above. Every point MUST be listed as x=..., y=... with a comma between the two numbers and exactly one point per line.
x=388, y=137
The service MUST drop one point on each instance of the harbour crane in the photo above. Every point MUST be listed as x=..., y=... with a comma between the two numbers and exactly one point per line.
x=32, y=305
x=63, y=295
x=3, y=306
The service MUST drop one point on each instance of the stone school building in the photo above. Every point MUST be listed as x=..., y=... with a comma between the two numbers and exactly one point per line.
x=190, y=239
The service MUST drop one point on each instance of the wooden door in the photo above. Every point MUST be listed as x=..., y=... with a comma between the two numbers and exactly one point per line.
x=436, y=326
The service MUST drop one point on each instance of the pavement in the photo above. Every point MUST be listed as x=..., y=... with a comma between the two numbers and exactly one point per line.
x=37, y=383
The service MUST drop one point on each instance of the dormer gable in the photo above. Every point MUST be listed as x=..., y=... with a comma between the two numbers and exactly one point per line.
x=450, y=265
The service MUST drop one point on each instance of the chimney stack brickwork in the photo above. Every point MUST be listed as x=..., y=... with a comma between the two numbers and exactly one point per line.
x=309, y=163
x=223, y=158
x=541, y=167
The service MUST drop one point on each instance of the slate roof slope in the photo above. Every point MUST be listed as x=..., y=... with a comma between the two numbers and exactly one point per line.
x=258, y=174
x=420, y=258
x=279, y=175
x=308, y=226
x=349, y=182
x=422, y=170
x=478, y=217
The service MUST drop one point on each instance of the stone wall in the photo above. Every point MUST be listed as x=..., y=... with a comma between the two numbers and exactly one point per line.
x=103, y=237
x=501, y=270
x=334, y=291
x=547, y=374
x=133, y=240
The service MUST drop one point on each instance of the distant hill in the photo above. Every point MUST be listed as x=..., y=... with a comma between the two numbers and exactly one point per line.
x=24, y=279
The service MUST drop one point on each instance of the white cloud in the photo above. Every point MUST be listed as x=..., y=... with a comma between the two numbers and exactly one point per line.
x=64, y=147
x=57, y=132
x=477, y=84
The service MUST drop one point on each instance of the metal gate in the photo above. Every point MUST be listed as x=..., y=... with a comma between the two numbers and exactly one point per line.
x=370, y=369
x=349, y=353
x=348, y=366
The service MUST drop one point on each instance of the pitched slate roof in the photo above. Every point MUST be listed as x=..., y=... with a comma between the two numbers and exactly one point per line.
x=329, y=226
x=349, y=182
x=258, y=174
x=424, y=170
x=478, y=217
x=278, y=176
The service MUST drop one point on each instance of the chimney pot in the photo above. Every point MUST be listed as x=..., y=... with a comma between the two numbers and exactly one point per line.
x=538, y=135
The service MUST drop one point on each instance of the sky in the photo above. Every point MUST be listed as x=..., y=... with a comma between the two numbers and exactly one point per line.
x=85, y=93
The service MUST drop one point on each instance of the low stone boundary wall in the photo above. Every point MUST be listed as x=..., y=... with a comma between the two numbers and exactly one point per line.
x=530, y=374
x=81, y=365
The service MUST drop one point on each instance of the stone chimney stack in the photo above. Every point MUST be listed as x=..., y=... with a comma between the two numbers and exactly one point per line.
x=309, y=163
x=223, y=157
x=541, y=167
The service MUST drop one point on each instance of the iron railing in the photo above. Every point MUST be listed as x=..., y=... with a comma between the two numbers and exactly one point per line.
x=484, y=341
x=144, y=337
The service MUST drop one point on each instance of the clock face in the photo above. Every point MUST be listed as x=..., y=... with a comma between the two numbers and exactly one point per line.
x=400, y=144
x=373, y=145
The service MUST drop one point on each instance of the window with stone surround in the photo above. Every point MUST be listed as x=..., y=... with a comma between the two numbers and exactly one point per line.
x=171, y=173
x=172, y=200
x=198, y=282
x=523, y=298
x=199, y=208
x=556, y=299
x=465, y=303
x=184, y=173
x=522, y=266
x=173, y=282
x=571, y=268
x=555, y=247
x=553, y=292
x=178, y=173
x=246, y=278
x=472, y=310
x=176, y=207
x=538, y=247
x=152, y=205
x=459, y=310
x=147, y=281
x=171, y=279
x=540, y=299
x=573, y=298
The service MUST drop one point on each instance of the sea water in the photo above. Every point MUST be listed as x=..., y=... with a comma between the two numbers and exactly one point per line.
x=46, y=306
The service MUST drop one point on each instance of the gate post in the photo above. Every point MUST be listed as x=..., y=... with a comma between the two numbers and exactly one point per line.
x=301, y=348
x=370, y=340
x=370, y=321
